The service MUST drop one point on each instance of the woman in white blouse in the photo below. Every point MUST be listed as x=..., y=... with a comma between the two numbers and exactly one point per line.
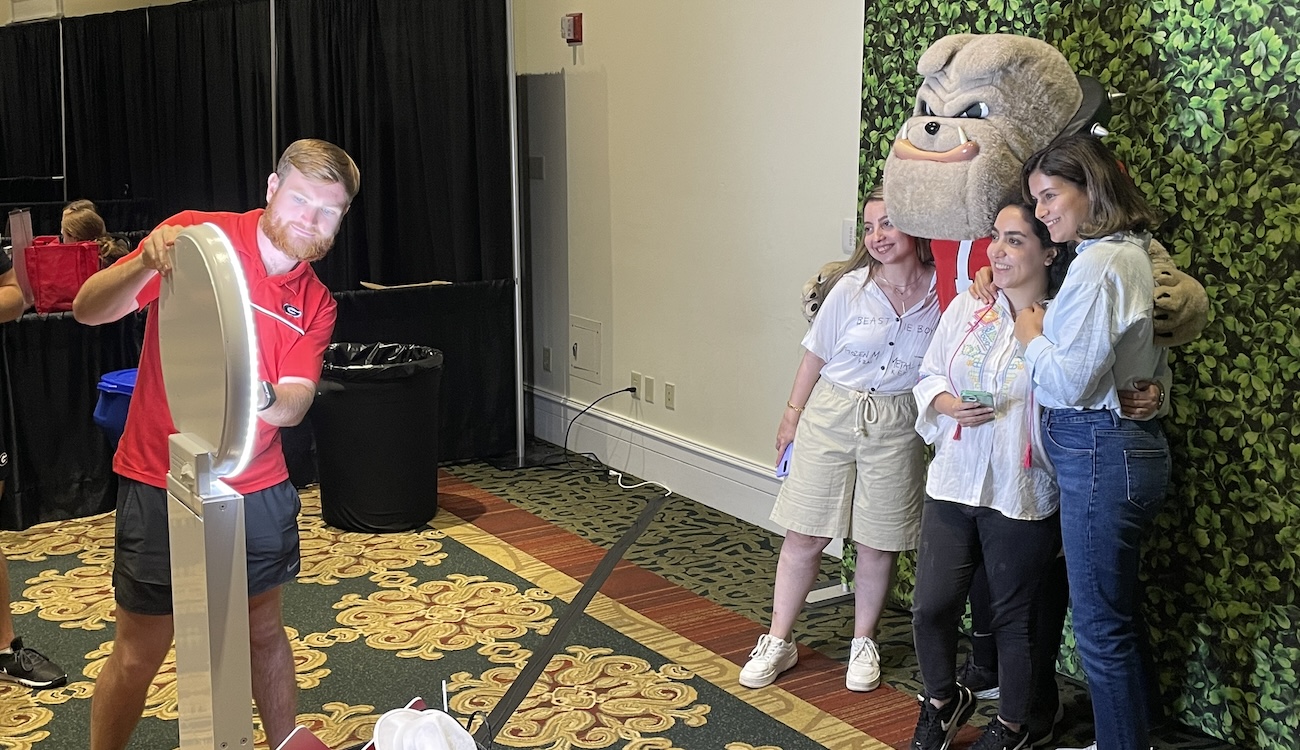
x=991, y=496
x=856, y=467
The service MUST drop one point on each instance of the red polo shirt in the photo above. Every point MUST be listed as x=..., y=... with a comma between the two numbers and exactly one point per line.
x=294, y=319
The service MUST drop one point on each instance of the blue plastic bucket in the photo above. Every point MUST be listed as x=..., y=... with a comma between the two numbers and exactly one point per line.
x=115, y=389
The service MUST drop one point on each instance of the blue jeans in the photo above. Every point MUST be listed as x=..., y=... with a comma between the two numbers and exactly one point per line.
x=1113, y=475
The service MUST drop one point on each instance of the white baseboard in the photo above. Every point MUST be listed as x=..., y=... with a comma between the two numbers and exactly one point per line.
x=723, y=482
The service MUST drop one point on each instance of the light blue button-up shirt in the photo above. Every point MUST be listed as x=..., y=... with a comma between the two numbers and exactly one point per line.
x=1097, y=335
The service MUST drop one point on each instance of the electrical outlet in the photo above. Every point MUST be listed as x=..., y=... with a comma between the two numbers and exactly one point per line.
x=546, y=358
x=636, y=383
x=649, y=389
x=670, y=396
x=849, y=236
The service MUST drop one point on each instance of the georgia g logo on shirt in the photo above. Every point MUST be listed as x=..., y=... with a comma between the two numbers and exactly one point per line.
x=292, y=311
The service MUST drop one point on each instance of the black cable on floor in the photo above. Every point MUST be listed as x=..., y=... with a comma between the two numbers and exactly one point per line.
x=550, y=646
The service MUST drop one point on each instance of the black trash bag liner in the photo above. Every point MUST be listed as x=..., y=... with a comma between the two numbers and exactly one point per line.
x=375, y=421
x=366, y=362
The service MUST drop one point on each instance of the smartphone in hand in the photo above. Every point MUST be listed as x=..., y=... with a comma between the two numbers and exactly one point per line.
x=783, y=466
x=983, y=398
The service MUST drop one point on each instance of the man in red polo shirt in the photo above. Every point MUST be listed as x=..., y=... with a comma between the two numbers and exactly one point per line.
x=306, y=198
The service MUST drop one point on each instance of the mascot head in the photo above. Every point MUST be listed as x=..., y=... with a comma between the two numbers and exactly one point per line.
x=988, y=101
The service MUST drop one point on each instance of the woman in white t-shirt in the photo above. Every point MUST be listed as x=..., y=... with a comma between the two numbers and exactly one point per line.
x=857, y=466
x=991, y=496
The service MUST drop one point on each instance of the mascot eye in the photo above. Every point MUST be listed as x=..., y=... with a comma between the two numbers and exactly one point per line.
x=977, y=111
x=924, y=109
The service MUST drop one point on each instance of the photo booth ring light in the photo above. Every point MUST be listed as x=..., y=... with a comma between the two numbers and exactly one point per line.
x=208, y=347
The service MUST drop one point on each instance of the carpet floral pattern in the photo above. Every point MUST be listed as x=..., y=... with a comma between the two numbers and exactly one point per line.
x=377, y=619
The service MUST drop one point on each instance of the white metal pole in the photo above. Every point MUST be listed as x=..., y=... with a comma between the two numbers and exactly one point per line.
x=517, y=255
x=63, y=115
x=275, y=152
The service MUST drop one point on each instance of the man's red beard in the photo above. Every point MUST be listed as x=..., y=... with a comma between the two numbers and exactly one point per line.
x=291, y=244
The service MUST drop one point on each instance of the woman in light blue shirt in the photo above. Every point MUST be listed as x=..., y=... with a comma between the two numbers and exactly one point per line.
x=1095, y=340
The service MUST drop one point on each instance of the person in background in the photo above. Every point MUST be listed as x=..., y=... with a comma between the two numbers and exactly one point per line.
x=82, y=224
x=306, y=198
x=78, y=205
x=1113, y=470
x=18, y=663
x=991, y=496
x=857, y=465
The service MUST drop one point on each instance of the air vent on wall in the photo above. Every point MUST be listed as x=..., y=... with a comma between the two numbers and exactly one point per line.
x=35, y=10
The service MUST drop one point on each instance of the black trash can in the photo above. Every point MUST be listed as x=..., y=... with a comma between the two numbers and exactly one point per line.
x=375, y=419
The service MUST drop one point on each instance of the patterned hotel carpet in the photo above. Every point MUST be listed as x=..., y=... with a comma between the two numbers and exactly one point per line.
x=380, y=618
x=732, y=563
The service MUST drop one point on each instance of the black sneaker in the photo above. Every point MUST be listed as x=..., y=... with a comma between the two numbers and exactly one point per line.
x=982, y=681
x=999, y=736
x=29, y=667
x=936, y=727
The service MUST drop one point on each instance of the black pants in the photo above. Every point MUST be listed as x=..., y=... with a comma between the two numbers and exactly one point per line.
x=1048, y=626
x=955, y=539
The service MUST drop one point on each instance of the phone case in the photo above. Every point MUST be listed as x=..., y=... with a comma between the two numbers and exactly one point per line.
x=783, y=466
x=984, y=398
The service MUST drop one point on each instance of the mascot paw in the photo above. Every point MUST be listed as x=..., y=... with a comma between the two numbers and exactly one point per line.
x=1181, y=305
x=815, y=289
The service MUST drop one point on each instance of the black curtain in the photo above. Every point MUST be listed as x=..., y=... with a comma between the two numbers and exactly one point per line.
x=212, y=88
x=112, y=123
x=61, y=461
x=171, y=106
x=416, y=91
x=30, y=109
x=325, y=91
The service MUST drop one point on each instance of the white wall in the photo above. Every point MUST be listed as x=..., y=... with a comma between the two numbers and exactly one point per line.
x=700, y=159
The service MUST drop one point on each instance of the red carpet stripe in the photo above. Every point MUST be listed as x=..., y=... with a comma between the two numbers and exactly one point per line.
x=884, y=713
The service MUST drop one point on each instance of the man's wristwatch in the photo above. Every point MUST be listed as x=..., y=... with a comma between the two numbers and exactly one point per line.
x=268, y=396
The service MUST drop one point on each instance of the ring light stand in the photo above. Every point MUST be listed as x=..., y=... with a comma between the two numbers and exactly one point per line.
x=208, y=350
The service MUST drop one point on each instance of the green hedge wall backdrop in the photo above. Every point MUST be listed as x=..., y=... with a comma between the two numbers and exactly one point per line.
x=1209, y=128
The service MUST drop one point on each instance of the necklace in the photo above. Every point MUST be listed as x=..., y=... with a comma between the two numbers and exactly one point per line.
x=900, y=288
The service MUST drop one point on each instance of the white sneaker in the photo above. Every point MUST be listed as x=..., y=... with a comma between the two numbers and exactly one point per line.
x=770, y=657
x=864, y=666
x=1093, y=746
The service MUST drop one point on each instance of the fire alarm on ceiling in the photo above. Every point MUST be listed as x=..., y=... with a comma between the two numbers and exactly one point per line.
x=571, y=28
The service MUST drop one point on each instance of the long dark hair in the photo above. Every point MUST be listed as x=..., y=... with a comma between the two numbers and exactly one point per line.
x=1064, y=253
x=1115, y=203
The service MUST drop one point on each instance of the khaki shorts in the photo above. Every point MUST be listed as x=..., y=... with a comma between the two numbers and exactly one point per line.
x=857, y=470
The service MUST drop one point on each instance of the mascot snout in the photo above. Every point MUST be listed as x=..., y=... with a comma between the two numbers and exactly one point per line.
x=965, y=150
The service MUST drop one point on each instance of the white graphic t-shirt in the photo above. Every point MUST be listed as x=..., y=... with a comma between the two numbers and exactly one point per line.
x=865, y=344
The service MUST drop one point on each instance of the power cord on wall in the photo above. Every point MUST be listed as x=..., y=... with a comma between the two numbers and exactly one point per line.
x=564, y=457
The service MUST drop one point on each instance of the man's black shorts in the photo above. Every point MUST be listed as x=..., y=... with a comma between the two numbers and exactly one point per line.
x=142, y=576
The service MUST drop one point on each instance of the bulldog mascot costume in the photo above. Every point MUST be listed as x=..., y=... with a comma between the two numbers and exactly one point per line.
x=987, y=102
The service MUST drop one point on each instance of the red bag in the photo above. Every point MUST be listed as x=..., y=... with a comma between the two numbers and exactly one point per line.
x=56, y=271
